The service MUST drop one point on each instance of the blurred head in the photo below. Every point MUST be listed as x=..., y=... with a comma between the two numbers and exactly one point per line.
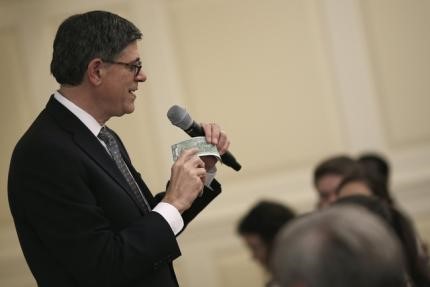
x=377, y=165
x=361, y=181
x=337, y=247
x=377, y=170
x=260, y=225
x=371, y=204
x=402, y=227
x=327, y=176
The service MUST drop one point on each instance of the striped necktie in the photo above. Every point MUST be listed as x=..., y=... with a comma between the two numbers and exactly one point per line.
x=112, y=145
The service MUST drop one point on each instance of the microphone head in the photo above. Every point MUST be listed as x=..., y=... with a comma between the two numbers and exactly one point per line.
x=179, y=117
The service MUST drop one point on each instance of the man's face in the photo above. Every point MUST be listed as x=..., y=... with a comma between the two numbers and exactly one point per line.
x=326, y=188
x=120, y=82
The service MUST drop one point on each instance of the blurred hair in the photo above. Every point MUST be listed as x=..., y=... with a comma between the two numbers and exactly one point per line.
x=373, y=182
x=372, y=204
x=265, y=219
x=337, y=165
x=376, y=164
x=337, y=247
x=402, y=227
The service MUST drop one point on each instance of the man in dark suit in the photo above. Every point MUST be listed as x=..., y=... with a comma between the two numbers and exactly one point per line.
x=83, y=214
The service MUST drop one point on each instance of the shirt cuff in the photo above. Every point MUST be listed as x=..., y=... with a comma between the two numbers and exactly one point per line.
x=171, y=215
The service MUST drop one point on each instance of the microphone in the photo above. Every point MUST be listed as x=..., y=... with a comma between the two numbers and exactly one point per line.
x=179, y=117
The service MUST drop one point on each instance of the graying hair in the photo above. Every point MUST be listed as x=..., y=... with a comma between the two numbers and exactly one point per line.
x=338, y=247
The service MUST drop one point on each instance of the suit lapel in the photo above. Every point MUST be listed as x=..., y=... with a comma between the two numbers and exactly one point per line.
x=88, y=143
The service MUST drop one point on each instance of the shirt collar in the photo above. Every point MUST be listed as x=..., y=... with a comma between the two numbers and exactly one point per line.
x=82, y=115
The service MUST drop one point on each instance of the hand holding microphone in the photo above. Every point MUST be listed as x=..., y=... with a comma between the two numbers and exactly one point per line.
x=214, y=135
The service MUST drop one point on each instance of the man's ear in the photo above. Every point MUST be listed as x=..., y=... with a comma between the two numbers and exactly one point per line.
x=95, y=70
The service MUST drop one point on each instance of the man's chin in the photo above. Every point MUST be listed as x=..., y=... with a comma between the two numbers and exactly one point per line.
x=129, y=109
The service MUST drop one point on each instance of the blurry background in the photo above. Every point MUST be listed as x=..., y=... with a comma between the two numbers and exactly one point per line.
x=291, y=81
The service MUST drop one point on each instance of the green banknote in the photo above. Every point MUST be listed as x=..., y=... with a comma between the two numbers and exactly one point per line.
x=198, y=142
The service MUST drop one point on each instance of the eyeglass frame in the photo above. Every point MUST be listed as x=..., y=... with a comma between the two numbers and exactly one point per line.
x=136, y=66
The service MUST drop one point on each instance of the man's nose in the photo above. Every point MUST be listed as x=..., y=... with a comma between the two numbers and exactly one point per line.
x=141, y=77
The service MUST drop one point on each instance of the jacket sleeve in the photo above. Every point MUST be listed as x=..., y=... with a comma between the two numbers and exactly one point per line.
x=199, y=203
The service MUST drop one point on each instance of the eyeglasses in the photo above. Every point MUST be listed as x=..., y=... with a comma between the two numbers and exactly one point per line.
x=134, y=67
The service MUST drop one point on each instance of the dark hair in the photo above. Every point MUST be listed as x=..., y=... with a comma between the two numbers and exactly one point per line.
x=372, y=181
x=374, y=205
x=83, y=37
x=338, y=165
x=403, y=227
x=377, y=165
x=265, y=219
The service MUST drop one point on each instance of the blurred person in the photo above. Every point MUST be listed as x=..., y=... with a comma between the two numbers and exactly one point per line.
x=372, y=204
x=362, y=189
x=352, y=188
x=360, y=181
x=376, y=164
x=327, y=176
x=337, y=247
x=259, y=227
x=83, y=214
x=378, y=170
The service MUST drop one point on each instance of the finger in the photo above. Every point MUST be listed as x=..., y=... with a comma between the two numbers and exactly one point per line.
x=200, y=175
x=197, y=162
x=224, y=148
x=203, y=179
x=208, y=132
x=200, y=172
x=187, y=154
x=222, y=142
x=215, y=133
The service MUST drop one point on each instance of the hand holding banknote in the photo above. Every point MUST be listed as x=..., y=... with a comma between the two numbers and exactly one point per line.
x=193, y=158
x=216, y=144
x=204, y=148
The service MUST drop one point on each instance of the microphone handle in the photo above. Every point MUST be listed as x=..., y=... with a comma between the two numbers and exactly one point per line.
x=195, y=130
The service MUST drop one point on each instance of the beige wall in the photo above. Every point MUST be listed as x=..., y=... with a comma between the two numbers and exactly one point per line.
x=292, y=81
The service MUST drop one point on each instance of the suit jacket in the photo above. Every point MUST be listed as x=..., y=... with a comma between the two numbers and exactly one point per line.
x=76, y=218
